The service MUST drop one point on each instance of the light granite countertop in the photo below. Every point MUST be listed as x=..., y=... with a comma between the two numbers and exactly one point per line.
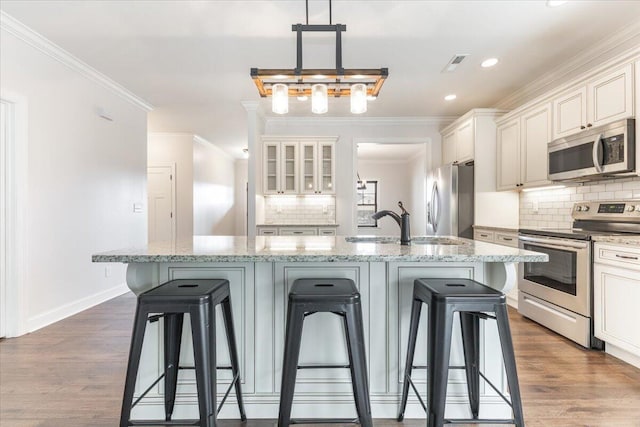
x=619, y=240
x=297, y=225
x=504, y=229
x=317, y=249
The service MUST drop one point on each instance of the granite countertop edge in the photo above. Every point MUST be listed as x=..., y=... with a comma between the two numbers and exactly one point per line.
x=619, y=240
x=492, y=228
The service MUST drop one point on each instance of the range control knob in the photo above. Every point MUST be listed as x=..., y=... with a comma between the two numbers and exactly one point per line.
x=631, y=208
x=638, y=208
x=584, y=208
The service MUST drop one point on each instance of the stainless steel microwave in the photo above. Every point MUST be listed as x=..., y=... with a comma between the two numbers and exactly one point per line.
x=595, y=153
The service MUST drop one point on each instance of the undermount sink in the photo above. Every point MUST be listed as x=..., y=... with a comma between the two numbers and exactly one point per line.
x=420, y=240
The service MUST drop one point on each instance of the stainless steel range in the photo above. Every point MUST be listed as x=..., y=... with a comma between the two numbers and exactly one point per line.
x=559, y=294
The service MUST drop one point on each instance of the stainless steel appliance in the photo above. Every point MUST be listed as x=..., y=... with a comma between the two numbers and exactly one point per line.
x=595, y=153
x=559, y=294
x=450, y=201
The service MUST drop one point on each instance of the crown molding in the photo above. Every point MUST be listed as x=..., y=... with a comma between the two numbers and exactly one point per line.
x=36, y=40
x=582, y=59
x=363, y=121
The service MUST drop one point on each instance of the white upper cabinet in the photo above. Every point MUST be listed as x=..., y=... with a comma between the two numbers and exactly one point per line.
x=449, y=148
x=508, y=149
x=298, y=165
x=604, y=99
x=280, y=167
x=458, y=144
x=317, y=167
x=522, y=149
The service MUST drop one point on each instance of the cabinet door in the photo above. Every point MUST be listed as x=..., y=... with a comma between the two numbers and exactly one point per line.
x=508, y=155
x=570, y=113
x=309, y=167
x=327, y=167
x=289, y=167
x=616, y=315
x=536, y=135
x=271, y=168
x=610, y=97
x=449, y=148
x=464, y=141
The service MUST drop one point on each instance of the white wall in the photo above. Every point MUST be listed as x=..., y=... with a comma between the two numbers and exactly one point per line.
x=394, y=184
x=417, y=207
x=350, y=131
x=177, y=148
x=242, y=175
x=83, y=175
x=214, y=210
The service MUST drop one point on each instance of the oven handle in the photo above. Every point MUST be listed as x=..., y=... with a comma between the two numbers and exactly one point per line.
x=554, y=243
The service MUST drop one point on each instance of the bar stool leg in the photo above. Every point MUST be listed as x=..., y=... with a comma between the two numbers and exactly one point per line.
x=233, y=352
x=416, y=308
x=135, y=351
x=293, y=338
x=441, y=321
x=172, y=342
x=470, y=326
x=509, y=362
x=358, y=363
x=203, y=325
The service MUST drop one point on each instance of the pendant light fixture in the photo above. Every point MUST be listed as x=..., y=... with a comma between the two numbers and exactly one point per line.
x=358, y=84
x=319, y=99
x=280, y=99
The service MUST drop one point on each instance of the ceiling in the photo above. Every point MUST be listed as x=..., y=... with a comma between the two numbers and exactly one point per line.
x=191, y=59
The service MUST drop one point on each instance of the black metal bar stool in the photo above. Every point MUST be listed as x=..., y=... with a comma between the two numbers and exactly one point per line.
x=171, y=301
x=341, y=297
x=472, y=300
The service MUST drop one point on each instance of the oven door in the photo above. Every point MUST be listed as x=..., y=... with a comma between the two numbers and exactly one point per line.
x=565, y=279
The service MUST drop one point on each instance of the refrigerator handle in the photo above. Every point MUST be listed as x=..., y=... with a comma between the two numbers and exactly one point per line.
x=435, y=206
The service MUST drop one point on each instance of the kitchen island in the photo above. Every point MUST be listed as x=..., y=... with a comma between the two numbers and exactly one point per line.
x=262, y=270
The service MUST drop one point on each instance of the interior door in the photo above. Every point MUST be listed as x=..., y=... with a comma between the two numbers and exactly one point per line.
x=161, y=203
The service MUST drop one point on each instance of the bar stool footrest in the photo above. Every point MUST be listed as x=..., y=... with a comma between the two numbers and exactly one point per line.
x=164, y=423
x=325, y=421
x=478, y=421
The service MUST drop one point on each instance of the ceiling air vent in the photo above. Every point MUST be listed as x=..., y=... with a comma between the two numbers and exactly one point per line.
x=454, y=62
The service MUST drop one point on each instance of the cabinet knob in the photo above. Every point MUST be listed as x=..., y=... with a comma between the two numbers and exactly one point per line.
x=589, y=125
x=583, y=127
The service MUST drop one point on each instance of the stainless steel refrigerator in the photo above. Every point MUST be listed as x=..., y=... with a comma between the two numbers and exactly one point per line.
x=450, y=201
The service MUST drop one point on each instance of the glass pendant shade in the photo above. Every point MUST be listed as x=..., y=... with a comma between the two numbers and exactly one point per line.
x=358, y=98
x=319, y=99
x=280, y=99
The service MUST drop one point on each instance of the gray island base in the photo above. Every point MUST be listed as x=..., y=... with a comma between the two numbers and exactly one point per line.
x=261, y=272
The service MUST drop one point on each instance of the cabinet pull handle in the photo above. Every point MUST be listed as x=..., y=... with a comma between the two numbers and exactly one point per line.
x=484, y=235
x=508, y=239
x=297, y=232
x=627, y=257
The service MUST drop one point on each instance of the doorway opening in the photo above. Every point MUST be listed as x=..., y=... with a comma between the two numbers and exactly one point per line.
x=399, y=173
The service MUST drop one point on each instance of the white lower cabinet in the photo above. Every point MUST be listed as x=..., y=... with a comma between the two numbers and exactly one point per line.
x=617, y=300
x=504, y=237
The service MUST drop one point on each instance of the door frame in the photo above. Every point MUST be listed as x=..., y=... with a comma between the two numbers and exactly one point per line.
x=15, y=203
x=174, y=226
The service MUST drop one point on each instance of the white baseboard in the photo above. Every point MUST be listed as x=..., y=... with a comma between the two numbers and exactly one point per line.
x=622, y=354
x=57, y=314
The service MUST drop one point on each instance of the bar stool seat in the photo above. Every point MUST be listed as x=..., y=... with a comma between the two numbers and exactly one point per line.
x=473, y=301
x=170, y=301
x=340, y=297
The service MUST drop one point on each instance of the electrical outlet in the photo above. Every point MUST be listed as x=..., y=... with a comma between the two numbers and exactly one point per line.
x=325, y=209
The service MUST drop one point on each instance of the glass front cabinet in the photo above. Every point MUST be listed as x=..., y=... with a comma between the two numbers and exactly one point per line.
x=299, y=165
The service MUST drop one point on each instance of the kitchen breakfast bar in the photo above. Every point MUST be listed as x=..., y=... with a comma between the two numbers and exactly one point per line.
x=261, y=272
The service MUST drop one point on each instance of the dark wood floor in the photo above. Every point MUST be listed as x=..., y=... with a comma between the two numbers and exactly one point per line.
x=71, y=374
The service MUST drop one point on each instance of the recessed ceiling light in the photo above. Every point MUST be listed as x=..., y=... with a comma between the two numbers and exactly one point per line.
x=450, y=97
x=555, y=3
x=489, y=62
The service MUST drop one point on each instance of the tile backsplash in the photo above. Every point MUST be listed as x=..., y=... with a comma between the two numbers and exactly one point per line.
x=552, y=208
x=300, y=210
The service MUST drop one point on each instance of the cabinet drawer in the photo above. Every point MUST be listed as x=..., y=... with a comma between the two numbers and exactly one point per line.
x=507, y=239
x=291, y=231
x=621, y=256
x=326, y=231
x=267, y=231
x=484, y=235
